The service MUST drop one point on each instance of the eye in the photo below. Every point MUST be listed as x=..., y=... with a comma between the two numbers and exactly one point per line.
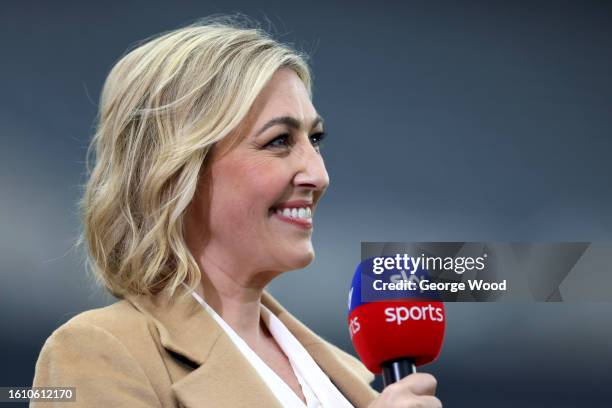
x=279, y=141
x=317, y=138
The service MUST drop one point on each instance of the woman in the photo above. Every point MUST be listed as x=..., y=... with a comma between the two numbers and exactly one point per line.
x=206, y=180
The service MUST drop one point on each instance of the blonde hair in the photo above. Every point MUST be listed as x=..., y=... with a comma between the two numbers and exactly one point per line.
x=163, y=106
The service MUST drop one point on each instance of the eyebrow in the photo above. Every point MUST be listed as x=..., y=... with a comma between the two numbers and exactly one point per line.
x=288, y=121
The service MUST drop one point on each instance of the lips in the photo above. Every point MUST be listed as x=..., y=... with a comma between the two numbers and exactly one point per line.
x=292, y=208
x=294, y=204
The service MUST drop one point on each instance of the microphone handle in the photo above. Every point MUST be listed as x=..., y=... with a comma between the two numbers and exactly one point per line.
x=395, y=370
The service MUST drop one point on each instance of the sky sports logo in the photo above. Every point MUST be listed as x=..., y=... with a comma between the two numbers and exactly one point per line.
x=401, y=314
x=412, y=264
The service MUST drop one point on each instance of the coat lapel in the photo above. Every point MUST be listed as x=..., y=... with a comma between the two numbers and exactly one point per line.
x=226, y=379
x=352, y=381
x=223, y=377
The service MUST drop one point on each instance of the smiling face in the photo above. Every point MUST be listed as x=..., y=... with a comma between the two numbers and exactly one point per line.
x=256, y=196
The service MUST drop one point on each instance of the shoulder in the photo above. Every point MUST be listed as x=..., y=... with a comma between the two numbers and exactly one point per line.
x=115, y=319
x=96, y=352
x=119, y=325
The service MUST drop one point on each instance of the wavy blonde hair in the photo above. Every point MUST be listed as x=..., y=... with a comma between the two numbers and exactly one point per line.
x=162, y=108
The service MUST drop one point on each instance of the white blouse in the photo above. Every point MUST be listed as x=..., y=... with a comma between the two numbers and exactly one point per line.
x=317, y=388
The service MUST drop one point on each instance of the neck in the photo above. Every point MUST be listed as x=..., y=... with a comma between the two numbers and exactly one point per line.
x=237, y=302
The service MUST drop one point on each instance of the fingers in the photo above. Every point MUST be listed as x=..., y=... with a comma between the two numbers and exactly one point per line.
x=430, y=401
x=419, y=384
x=414, y=391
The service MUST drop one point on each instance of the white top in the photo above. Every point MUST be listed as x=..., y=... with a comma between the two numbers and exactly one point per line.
x=318, y=390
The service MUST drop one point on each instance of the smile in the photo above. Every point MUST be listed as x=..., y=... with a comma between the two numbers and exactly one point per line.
x=298, y=213
x=298, y=216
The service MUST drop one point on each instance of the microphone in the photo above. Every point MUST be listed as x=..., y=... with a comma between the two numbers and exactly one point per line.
x=393, y=331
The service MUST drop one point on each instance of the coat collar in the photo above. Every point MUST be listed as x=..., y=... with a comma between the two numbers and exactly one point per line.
x=223, y=376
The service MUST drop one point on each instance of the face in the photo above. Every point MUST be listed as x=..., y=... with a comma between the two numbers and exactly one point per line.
x=257, y=198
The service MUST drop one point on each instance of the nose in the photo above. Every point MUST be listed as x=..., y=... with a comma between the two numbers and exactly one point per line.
x=311, y=171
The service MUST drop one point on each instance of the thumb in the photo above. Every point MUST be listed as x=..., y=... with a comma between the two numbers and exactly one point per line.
x=420, y=383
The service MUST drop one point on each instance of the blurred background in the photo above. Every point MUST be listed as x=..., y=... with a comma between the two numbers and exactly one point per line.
x=447, y=121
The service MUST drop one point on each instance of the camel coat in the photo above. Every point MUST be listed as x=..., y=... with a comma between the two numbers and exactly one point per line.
x=153, y=352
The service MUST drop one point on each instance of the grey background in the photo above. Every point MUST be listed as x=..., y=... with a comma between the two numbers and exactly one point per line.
x=447, y=121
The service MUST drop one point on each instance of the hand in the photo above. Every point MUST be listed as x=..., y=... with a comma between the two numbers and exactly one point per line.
x=415, y=391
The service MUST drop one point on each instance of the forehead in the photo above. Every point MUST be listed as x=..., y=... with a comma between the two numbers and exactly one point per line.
x=284, y=95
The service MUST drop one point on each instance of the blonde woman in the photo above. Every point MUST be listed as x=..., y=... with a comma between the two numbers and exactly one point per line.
x=206, y=180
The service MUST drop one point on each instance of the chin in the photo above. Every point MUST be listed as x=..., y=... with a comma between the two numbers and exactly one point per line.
x=306, y=260
x=299, y=259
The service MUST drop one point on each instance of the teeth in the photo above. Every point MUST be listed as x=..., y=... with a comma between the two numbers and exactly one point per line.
x=304, y=213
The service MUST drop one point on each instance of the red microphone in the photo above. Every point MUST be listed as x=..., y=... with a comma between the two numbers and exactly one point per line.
x=393, y=331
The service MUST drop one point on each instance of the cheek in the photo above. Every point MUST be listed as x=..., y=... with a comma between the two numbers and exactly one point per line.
x=228, y=209
x=261, y=184
x=224, y=198
x=243, y=193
